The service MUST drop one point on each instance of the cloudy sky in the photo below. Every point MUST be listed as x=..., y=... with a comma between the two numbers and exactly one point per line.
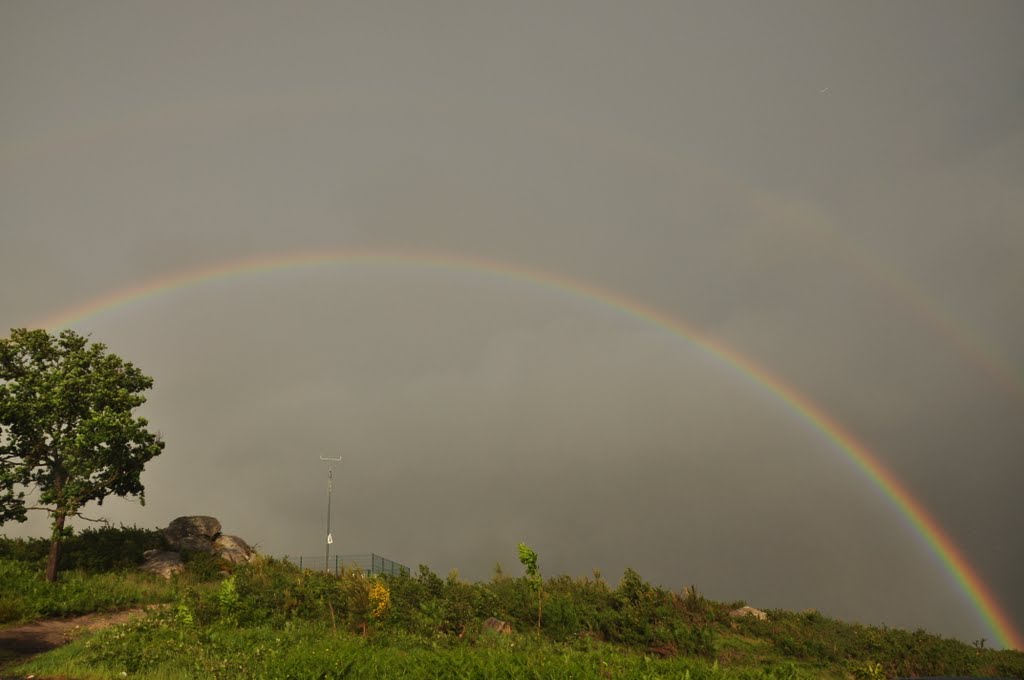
x=831, y=191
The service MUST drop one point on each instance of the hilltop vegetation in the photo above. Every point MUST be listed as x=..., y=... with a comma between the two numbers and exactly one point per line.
x=68, y=435
x=270, y=619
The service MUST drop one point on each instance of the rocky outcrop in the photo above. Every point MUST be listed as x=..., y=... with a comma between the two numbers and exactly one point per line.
x=195, y=533
x=232, y=548
x=195, y=544
x=497, y=625
x=162, y=562
x=748, y=611
x=190, y=528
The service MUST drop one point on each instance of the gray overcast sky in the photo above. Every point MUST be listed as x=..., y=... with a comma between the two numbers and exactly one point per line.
x=833, y=190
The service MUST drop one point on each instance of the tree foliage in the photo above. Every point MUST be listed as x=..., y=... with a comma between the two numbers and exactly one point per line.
x=528, y=558
x=67, y=431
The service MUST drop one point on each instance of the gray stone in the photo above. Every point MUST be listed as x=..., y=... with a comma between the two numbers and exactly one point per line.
x=195, y=544
x=748, y=611
x=232, y=549
x=201, y=533
x=193, y=525
x=164, y=563
x=497, y=625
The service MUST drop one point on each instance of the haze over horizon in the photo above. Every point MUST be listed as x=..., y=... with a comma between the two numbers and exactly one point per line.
x=831, y=191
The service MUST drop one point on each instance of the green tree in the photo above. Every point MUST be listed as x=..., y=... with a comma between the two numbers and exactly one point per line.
x=528, y=557
x=66, y=428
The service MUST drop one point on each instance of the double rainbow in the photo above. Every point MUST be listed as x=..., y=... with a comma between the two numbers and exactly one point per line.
x=939, y=542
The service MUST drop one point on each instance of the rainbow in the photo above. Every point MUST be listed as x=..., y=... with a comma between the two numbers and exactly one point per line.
x=937, y=540
x=997, y=368
x=301, y=104
x=297, y=105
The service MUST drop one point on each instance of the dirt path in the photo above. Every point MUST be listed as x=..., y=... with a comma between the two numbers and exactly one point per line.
x=20, y=642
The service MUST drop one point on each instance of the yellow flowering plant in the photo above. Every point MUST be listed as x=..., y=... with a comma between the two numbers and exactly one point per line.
x=380, y=600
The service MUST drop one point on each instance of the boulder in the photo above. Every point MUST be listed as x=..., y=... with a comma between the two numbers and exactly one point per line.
x=193, y=526
x=497, y=625
x=232, y=548
x=162, y=562
x=748, y=611
x=195, y=544
x=201, y=533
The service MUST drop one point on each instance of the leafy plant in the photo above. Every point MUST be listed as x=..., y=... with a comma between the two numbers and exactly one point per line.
x=870, y=671
x=380, y=600
x=24, y=595
x=204, y=566
x=228, y=599
x=528, y=558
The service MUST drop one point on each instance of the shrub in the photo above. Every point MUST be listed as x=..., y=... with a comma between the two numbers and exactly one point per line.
x=25, y=595
x=204, y=566
x=106, y=548
x=31, y=551
x=380, y=600
x=228, y=600
x=95, y=549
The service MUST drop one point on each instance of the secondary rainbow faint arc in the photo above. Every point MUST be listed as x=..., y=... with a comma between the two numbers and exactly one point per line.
x=954, y=562
x=966, y=342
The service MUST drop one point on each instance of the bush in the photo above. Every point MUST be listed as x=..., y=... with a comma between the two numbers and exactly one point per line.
x=95, y=549
x=106, y=548
x=204, y=566
x=32, y=551
x=25, y=595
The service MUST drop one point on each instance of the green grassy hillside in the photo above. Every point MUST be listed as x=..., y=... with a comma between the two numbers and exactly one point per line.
x=271, y=619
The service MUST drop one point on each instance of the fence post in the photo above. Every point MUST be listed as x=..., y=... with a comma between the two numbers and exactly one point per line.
x=335, y=565
x=300, y=562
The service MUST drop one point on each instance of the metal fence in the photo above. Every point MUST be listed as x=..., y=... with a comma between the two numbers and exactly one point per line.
x=369, y=562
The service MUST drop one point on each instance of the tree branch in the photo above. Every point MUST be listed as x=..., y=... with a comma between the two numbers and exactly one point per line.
x=101, y=520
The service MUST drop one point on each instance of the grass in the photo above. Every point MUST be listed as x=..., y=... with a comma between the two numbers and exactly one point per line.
x=269, y=619
x=158, y=648
x=98, y=574
x=25, y=596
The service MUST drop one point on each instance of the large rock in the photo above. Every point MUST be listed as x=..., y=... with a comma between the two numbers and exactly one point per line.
x=497, y=625
x=232, y=549
x=748, y=611
x=195, y=544
x=201, y=533
x=162, y=562
x=181, y=531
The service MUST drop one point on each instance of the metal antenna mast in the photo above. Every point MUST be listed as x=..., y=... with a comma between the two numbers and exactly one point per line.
x=330, y=485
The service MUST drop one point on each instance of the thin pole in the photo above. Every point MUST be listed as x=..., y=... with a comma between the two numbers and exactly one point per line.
x=327, y=557
x=330, y=486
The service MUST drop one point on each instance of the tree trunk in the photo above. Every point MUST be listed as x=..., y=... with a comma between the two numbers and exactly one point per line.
x=540, y=595
x=58, y=536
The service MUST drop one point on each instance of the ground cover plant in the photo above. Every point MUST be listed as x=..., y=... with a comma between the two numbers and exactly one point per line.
x=99, y=573
x=24, y=596
x=271, y=619
x=169, y=646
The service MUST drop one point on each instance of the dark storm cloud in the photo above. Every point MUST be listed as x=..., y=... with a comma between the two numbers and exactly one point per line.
x=831, y=190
